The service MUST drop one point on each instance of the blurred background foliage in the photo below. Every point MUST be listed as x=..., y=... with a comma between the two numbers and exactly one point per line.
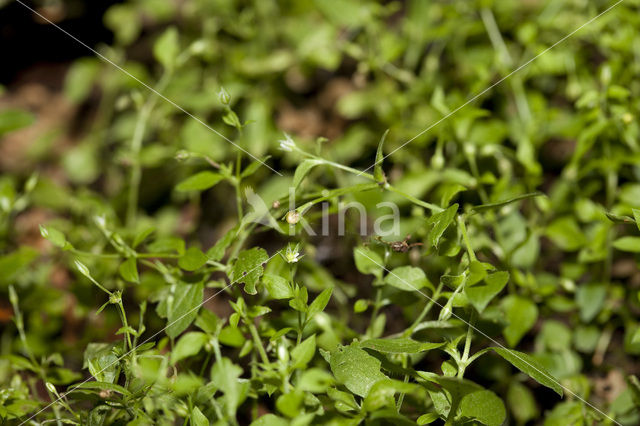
x=335, y=74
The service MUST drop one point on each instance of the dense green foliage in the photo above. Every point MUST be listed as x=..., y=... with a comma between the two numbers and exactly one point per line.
x=157, y=274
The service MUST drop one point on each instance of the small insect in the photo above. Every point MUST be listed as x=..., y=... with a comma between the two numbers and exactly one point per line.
x=399, y=246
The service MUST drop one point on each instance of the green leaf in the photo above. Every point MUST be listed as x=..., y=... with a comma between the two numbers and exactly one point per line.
x=199, y=181
x=188, y=345
x=253, y=167
x=428, y=418
x=180, y=308
x=367, y=261
x=129, y=270
x=521, y=402
x=636, y=217
x=566, y=234
x=630, y=244
x=440, y=222
x=225, y=375
x=248, y=268
x=590, y=298
x=530, y=367
x=270, y=420
x=521, y=315
x=303, y=170
x=315, y=380
x=356, y=369
x=400, y=345
x=197, y=418
x=303, y=353
x=101, y=361
x=166, y=48
x=378, y=173
x=290, y=404
x=192, y=259
x=382, y=392
x=499, y=204
x=407, y=278
x=54, y=236
x=14, y=119
x=481, y=294
x=142, y=235
x=319, y=303
x=277, y=286
x=484, y=406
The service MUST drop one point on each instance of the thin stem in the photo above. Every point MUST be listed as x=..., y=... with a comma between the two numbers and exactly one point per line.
x=136, y=146
x=425, y=310
x=465, y=237
x=258, y=342
x=464, y=361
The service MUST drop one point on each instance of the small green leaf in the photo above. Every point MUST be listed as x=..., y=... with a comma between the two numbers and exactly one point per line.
x=529, y=366
x=440, y=222
x=319, y=303
x=367, y=261
x=197, y=418
x=199, y=181
x=482, y=293
x=378, y=173
x=566, y=234
x=407, y=278
x=356, y=369
x=382, y=392
x=303, y=353
x=129, y=270
x=166, y=48
x=630, y=244
x=499, y=204
x=253, y=167
x=303, y=170
x=521, y=315
x=192, y=259
x=14, y=119
x=315, y=380
x=180, y=308
x=590, y=298
x=484, y=406
x=188, y=345
x=401, y=345
x=521, y=402
x=428, y=418
x=54, y=236
x=225, y=375
x=248, y=268
x=636, y=217
x=277, y=286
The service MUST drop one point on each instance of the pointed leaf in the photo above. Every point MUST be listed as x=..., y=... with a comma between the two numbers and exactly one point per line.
x=401, y=345
x=440, y=222
x=378, y=173
x=530, y=367
x=199, y=182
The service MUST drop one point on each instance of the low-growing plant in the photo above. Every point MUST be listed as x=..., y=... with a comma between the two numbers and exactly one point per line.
x=196, y=265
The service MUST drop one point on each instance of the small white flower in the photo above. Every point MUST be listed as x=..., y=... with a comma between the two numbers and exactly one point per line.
x=287, y=144
x=292, y=253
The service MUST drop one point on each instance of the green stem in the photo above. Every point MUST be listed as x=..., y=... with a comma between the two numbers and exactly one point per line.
x=464, y=362
x=257, y=342
x=465, y=237
x=136, y=146
x=425, y=310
